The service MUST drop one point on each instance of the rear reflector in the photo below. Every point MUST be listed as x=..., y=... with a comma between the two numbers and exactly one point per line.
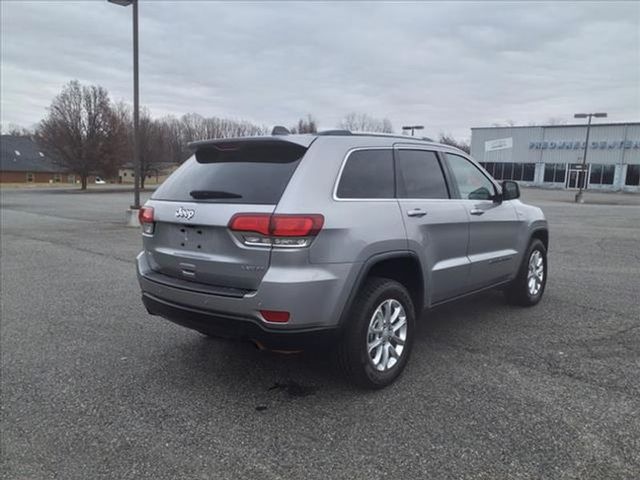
x=275, y=316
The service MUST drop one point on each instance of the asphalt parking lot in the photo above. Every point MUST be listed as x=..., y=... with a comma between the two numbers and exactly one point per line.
x=93, y=387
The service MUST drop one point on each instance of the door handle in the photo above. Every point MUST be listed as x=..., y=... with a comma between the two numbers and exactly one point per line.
x=416, y=212
x=476, y=211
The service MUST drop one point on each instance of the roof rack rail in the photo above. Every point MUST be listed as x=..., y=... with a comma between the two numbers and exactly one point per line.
x=280, y=130
x=335, y=132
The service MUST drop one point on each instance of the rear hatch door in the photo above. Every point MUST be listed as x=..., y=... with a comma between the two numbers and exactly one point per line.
x=192, y=209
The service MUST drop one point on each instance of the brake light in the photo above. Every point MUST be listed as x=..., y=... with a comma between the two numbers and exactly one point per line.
x=250, y=222
x=281, y=230
x=145, y=216
x=275, y=316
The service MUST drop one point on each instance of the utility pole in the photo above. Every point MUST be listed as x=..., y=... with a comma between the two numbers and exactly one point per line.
x=132, y=214
x=413, y=128
x=583, y=180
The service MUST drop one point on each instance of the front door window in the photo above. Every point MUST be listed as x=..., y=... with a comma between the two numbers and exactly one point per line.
x=472, y=183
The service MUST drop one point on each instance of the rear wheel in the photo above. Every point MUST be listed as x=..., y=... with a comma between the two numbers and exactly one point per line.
x=378, y=338
x=528, y=287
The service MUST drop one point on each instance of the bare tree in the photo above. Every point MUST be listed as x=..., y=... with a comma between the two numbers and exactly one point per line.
x=175, y=144
x=550, y=121
x=197, y=127
x=556, y=121
x=507, y=123
x=153, y=143
x=305, y=125
x=361, y=122
x=448, y=139
x=178, y=133
x=17, y=131
x=82, y=131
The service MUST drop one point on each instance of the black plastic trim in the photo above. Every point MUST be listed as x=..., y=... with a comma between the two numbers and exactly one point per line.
x=238, y=327
x=162, y=279
x=364, y=271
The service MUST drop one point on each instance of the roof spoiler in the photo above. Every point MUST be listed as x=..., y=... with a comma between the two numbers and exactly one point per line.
x=226, y=143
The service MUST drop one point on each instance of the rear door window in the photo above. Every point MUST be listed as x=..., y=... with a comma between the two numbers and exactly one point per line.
x=244, y=172
x=419, y=175
x=367, y=174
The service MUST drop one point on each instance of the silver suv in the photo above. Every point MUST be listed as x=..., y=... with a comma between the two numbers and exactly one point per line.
x=335, y=240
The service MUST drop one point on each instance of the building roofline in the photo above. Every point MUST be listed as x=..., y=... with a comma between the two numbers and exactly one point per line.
x=611, y=124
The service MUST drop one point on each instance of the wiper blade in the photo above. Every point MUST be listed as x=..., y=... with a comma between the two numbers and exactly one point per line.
x=205, y=194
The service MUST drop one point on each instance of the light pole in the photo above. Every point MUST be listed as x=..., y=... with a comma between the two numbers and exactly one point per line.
x=413, y=128
x=133, y=211
x=586, y=146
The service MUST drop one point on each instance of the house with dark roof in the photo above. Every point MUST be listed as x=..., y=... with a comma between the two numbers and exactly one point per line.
x=22, y=161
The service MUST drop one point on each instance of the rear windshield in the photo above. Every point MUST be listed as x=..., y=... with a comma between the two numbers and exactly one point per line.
x=247, y=172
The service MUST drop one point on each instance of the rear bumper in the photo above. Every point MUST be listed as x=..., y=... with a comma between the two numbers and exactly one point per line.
x=239, y=328
x=314, y=295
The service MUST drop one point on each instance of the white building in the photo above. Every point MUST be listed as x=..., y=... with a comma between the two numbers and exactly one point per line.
x=551, y=156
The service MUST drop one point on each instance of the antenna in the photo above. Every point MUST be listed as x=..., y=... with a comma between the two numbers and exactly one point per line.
x=280, y=130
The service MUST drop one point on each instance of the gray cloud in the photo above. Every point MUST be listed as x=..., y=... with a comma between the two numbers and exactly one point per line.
x=449, y=65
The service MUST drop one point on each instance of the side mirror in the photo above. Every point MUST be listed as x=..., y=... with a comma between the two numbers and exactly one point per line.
x=510, y=190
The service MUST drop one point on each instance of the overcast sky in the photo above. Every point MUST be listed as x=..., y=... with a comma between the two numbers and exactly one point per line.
x=449, y=66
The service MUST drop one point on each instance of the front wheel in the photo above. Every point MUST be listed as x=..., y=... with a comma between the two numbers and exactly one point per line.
x=379, y=335
x=528, y=287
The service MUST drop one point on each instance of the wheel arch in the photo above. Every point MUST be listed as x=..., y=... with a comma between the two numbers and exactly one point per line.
x=541, y=234
x=402, y=266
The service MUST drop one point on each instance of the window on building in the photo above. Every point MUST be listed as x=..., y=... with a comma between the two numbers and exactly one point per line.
x=497, y=171
x=419, y=175
x=517, y=171
x=30, y=177
x=507, y=171
x=528, y=172
x=596, y=173
x=633, y=175
x=554, y=172
x=367, y=174
x=57, y=178
x=489, y=167
x=71, y=178
x=602, y=174
x=511, y=171
x=124, y=174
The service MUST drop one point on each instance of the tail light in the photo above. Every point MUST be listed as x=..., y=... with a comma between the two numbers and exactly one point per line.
x=278, y=230
x=145, y=216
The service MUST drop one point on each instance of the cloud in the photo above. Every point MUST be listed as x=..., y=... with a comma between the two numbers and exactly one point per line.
x=448, y=66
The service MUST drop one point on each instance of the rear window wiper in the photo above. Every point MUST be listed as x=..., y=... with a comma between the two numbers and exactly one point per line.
x=205, y=194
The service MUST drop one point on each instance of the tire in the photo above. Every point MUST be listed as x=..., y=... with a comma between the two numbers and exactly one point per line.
x=521, y=292
x=377, y=297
